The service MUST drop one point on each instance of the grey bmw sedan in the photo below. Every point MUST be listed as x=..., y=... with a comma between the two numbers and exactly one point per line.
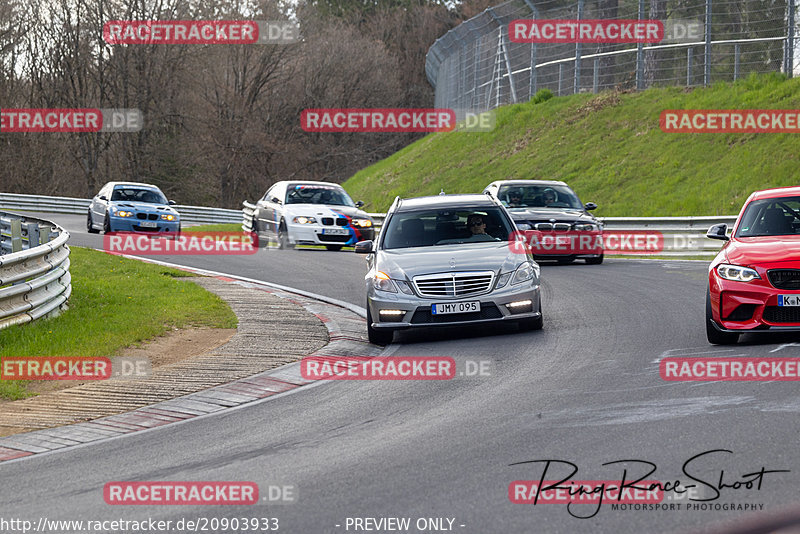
x=448, y=260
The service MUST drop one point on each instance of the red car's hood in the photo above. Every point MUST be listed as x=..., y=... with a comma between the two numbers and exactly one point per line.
x=758, y=250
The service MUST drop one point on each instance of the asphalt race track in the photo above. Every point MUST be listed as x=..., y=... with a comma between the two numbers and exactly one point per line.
x=586, y=389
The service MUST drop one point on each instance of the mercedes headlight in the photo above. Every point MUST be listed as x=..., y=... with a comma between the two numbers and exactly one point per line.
x=382, y=282
x=502, y=280
x=737, y=273
x=523, y=273
x=304, y=220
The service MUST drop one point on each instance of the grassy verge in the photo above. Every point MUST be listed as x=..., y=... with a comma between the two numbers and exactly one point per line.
x=609, y=148
x=115, y=303
x=227, y=227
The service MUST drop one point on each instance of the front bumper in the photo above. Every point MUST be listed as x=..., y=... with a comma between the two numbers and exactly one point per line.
x=417, y=310
x=312, y=234
x=133, y=224
x=740, y=307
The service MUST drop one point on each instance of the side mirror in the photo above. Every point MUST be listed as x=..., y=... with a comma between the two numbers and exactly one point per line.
x=102, y=197
x=276, y=200
x=718, y=231
x=172, y=202
x=359, y=204
x=590, y=206
x=364, y=247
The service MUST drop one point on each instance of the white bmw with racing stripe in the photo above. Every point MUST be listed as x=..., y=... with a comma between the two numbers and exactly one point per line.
x=311, y=213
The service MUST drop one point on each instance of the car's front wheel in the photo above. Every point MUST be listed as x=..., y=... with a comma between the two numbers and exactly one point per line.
x=377, y=337
x=715, y=336
x=89, y=226
x=283, y=237
x=107, y=223
x=595, y=261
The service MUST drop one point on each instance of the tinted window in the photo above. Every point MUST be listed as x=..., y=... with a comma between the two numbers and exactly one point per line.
x=771, y=216
x=134, y=194
x=446, y=227
x=317, y=194
x=538, y=196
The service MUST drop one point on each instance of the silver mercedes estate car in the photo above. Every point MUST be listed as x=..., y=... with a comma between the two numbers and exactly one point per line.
x=448, y=260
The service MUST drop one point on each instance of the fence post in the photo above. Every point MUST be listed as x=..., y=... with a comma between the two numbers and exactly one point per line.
x=577, y=83
x=707, y=58
x=532, y=80
x=790, y=41
x=596, y=75
x=689, y=66
x=640, y=54
x=16, y=235
x=735, y=62
x=560, y=77
x=503, y=43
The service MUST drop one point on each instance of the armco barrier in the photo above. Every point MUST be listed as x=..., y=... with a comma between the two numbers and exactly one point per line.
x=683, y=236
x=34, y=269
x=189, y=214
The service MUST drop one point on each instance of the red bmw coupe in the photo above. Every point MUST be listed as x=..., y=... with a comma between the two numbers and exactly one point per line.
x=754, y=282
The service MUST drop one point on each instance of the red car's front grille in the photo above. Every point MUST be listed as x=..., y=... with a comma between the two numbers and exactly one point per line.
x=782, y=314
x=784, y=278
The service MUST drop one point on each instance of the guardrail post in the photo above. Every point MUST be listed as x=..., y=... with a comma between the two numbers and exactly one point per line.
x=16, y=235
x=33, y=234
x=44, y=234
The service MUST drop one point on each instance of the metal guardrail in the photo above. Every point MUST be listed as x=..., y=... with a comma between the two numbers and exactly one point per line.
x=34, y=269
x=189, y=214
x=682, y=236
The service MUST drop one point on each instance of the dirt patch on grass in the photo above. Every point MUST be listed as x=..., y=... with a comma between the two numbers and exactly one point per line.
x=175, y=346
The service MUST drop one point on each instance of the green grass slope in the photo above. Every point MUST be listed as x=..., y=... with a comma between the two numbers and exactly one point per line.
x=610, y=149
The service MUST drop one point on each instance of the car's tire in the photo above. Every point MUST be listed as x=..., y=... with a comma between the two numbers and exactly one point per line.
x=334, y=247
x=89, y=227
x=107, y=224
x=713, y=335
x=283, y=237
x=595, y=261
x=566, y=261
x=377, y=337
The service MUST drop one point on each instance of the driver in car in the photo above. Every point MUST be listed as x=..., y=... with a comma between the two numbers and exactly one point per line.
x=477, y=229
x=515, y=199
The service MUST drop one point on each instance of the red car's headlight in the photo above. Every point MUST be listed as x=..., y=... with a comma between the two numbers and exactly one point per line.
x=737, y=273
